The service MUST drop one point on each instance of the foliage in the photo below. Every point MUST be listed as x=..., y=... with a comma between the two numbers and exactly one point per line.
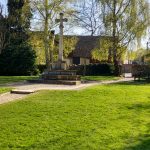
x=94, y=69
x=108, y=117
x=47, y=11
x=3, y=30
x=41, y=67
x=131, y=55
x=18, y=58
x=19, y=15
x=141, y=56
x=69, y=44
x=147, y=58
x=36, y=41
x=124, y=20
x=141, y=71
x=102, y=53
x=105, y=53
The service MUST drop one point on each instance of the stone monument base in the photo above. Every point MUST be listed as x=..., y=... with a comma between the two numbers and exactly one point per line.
x=59, y=65
x=60, y=82
x=66, y=77
x=59, y=75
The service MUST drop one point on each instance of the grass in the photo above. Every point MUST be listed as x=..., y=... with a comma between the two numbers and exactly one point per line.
x=106, y=117
x=11, y=79
x=4, y=90
x=100, y=78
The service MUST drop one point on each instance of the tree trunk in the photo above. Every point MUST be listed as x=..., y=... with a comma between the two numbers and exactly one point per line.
x=46, y=36
x=115, y=61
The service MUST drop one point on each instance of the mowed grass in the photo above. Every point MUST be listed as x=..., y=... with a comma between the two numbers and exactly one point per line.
x=11, y=79
x=4, y=90
x=106, y=117
x=100, y=78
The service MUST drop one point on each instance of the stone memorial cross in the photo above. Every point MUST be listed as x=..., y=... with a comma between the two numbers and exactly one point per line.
x=61, y=20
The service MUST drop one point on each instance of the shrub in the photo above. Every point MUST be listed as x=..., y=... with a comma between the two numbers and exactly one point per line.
x=41, y=67
x=18, y=60
x=94, y=69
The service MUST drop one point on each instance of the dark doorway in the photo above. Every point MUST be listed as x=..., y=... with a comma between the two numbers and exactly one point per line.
x=76, y=60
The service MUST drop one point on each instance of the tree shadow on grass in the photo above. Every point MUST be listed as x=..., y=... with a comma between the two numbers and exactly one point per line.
x=143, y=144
x=139, y=107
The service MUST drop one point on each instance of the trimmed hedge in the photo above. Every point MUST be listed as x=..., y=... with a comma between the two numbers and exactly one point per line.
x=94, y=69
x=141, y=71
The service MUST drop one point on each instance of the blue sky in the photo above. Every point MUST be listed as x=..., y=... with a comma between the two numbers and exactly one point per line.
x=4, y=3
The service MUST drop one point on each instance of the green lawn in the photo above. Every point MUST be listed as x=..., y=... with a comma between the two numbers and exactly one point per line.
x=99, y=78
x=4, y=90
x=10, y=79
x=106, y=117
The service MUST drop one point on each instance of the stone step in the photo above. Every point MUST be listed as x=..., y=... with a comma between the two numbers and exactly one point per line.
x=61, y=77
x=61, y=72
x=62, y=82
x=19, y=91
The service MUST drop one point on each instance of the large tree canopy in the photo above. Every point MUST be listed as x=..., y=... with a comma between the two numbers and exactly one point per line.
x=17, y=58
x=124, y=20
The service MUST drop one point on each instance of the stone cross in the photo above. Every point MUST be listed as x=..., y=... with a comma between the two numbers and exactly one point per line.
x=61, y=20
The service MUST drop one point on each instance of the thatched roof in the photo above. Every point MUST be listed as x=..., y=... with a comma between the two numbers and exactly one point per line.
x=85, y=45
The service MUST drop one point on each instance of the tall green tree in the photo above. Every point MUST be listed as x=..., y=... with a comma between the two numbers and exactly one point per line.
x=18, y=58
x=3, y=29
x=124, y=20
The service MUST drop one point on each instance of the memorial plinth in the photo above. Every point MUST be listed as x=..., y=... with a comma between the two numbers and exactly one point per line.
x=65, y=77
x=59, y=73
x=59, y=65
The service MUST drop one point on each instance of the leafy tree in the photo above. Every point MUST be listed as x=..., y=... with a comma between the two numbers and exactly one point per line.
x=124, y=20
x=36, y=41
x=104, y=52
x=3, y=29
x=69, y=44
x=18, y=58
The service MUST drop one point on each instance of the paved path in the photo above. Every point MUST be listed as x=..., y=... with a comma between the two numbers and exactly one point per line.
x=7, y=97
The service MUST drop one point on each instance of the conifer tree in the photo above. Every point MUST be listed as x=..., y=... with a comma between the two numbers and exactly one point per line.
x=18, y=57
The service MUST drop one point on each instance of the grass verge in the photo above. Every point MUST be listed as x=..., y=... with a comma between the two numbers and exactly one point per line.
x=106, y=117
x=12, y=79
x=100, y=78
x=4, y=90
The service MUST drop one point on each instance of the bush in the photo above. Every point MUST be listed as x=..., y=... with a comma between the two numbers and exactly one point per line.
x=18, y=60
x=141, y=71
x=94, y=69
x=41, y=68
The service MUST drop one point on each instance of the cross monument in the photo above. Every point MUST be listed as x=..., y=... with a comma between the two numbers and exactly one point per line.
x=61, y=26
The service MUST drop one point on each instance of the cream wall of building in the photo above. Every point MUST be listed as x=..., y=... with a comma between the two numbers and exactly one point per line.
x=84, y=61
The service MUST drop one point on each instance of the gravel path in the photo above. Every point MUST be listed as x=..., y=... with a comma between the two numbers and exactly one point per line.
x=7, y=97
